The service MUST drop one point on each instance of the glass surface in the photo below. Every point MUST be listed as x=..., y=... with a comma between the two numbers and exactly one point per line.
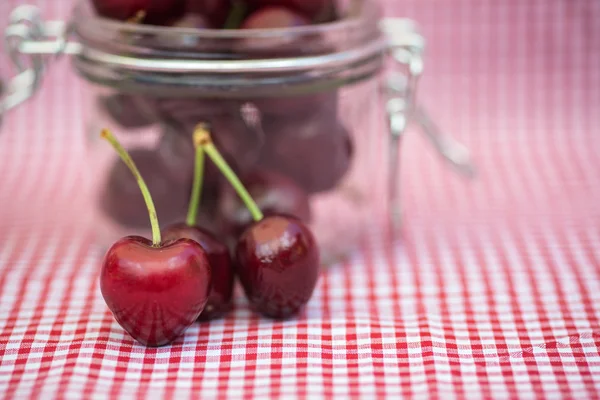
x=307, y=141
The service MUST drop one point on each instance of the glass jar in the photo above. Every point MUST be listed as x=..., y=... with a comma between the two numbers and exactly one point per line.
x=299, y=113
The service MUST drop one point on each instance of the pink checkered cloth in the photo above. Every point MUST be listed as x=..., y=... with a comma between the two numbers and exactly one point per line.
x=492, y=291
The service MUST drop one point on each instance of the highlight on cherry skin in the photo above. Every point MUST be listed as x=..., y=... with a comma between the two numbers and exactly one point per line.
x=277, y=256
x=155, y=289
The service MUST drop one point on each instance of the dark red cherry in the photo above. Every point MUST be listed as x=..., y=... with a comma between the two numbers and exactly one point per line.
x=315, y=152
x=129, y=111
x=316, y=10
x=273, y=193
x=221, y=292
x=155, y=293
x=278, y=265
x=155, y=11
x=239, y=142
x=188, y=112
x=122, y=201
x=216, y=11
x=298, y=107
x=192, y=21
x=273, y=45
x=274, y=17
x=292, y=43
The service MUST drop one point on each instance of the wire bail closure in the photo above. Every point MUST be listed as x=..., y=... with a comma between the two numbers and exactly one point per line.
x=28, y=39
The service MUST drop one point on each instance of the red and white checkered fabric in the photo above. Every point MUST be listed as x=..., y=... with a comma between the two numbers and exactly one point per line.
x=493, y=291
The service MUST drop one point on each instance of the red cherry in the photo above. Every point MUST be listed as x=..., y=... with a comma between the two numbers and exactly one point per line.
x=215, y=11
x=155, y=293
x=154, y=289
x=273, y=193
x=155, y=11
x=221, y=293
x=192, y=21
x=286, y=45
x=312, y=9
x=129, y=111
x=189, y=112
x=277, y=256
x=122, y=201
x=178, y=155
x=273, y=46
x=315, y=152
x=274, y=17
x=239, y=142
x=278, y=265
x=298, y=107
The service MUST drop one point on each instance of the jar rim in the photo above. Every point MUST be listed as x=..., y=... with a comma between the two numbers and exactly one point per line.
x=222, y=63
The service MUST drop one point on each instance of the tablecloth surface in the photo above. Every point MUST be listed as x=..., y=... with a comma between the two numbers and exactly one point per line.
x=491, y=291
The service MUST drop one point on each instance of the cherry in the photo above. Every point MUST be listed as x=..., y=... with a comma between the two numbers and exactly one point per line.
x=221, y=292
x=188, y=112
x=277, y=257
x=179, y=157
x=317, y=10
x=274, y=193
x=278, y=265
x=129, y=111
x=298, y=107
x=215, y=11
x=274, y=17
x=315, y=152
x=231, y=133
x=122, y=201
x=153, y=11
x=154, y=289
x=238, y=140
x=269, y=46
x=192, y=21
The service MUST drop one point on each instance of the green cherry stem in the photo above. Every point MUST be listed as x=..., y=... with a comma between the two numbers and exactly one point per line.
x=202, y=138
x=236, y=15
x=137, y=18
x=108, y=136
x=192, y=214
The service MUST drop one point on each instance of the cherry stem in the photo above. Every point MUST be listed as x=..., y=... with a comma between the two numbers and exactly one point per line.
x=192, y=215
x=202, y=138
x=109, y=137
x=236, y=15
x=137, y=18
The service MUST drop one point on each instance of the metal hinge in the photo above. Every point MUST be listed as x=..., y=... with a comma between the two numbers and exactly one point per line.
x=29, y=41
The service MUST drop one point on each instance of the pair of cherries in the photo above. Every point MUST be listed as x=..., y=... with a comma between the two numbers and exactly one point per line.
x=157, y=288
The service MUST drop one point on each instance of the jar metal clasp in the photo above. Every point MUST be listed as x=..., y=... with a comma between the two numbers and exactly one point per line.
x=28, y=40
x=406, y=47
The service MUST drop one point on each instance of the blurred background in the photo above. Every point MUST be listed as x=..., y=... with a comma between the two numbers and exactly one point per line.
x=516, y=81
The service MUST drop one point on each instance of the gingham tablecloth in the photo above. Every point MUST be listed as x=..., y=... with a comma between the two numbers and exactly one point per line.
x=492, y=291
